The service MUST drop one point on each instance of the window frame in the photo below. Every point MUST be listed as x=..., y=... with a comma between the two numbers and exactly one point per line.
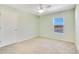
x=54, y=24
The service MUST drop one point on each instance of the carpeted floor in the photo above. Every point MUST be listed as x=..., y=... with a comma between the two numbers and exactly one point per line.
x=40, y=46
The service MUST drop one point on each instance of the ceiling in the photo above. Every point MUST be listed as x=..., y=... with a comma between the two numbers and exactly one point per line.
x=33, y=8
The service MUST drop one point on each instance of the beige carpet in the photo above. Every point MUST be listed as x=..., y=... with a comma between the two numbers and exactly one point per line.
x=40, y=46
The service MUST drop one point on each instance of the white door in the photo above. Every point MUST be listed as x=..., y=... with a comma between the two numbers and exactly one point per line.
x=10, y=27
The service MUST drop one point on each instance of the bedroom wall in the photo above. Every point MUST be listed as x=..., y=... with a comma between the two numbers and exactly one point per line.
x=27, y=25
x=46, y=26
x=77, y=26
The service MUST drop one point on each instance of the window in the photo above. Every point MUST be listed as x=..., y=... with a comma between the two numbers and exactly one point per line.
x=58, y=24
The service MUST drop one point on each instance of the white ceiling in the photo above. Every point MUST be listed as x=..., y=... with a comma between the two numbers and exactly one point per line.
x=33, y=8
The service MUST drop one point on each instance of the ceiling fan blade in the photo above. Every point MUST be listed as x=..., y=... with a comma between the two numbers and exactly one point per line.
x=49, y=6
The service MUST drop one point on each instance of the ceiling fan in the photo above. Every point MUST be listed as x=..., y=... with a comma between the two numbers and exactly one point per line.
x=43, y=7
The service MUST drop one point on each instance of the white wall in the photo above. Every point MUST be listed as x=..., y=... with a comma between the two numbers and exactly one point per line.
x=77, y=26
x=46, y=26
x=27, y=24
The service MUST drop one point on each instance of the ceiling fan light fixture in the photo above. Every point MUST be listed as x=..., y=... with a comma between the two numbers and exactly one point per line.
x=41, y=11
x=42, y=8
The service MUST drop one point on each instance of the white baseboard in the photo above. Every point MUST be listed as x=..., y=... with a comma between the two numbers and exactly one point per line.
x=27, y=38
x=56, y=39
x=14, y=42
